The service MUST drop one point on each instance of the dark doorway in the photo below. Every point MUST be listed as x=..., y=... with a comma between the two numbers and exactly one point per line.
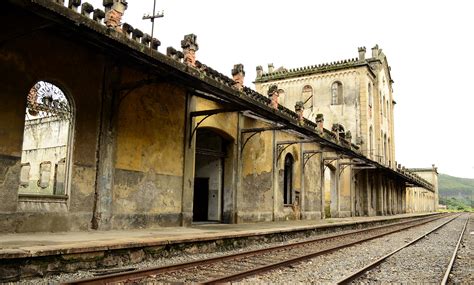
x=201, y=199
x=288, y=180
x=209, y=176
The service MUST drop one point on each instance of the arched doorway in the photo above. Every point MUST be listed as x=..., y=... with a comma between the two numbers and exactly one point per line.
x=288, y=180
x=47, y=141
x=209, y=176
x=330, y=191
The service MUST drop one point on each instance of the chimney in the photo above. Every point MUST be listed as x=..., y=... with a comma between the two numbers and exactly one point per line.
x=335, y=130
x=190, y=46
x=270, y=67
x=238, y=74
x=299, y=108
x=114, y=10
x=74, y=4
x=273, y=95
x=259, y=71
x=375, y=51
x=362, y=51
x=320, y=123
x=348, y=136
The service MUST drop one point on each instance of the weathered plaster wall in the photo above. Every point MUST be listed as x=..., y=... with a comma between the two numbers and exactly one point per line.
x=224, y=123
x=255, y=198
x=44, y=140
x=149, y=157
x=313, y=178
x=345, y=190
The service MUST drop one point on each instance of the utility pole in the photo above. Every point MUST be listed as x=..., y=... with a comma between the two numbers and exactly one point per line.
x=153, y=17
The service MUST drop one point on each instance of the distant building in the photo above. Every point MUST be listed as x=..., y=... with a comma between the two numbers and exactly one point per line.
x=355, y=97
x=420, y=199
x=356, y=94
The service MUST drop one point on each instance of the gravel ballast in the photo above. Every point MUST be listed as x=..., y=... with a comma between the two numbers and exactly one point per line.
x=423, y=262
x=332, y=267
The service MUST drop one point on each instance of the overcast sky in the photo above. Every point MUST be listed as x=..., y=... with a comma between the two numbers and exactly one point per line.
x=429, y=45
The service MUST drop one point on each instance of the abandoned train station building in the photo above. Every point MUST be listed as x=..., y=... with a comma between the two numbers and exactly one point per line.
x=101, y=130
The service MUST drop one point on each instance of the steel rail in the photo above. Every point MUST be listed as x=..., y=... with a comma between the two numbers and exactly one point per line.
x=265, y=268
x=121, y=276
x=451, y=262
x=354, y=275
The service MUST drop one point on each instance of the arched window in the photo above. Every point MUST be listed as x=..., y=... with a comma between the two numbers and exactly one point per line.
x=384, y=111
x=389, y=153
x=371, y=141
x=47, y=140
x=288, y=180
x=336, y=93
x=307, y=97
x=380, y=147
x=380, y=105
x=369, y=88
x=281, y=97
x=385, y=158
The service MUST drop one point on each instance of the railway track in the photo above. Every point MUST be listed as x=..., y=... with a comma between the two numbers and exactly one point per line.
x=360, y=272
x=238, y=266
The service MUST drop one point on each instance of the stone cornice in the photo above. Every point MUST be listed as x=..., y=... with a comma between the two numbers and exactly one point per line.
x=313, y=69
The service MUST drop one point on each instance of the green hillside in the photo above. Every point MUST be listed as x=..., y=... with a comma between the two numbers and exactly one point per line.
x=457, y=193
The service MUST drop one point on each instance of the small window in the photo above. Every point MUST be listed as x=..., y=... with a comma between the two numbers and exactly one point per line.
x=389, y=157
x=381, y=104
x=288, y=180
x=307, y=96
x=45, y=174
x=371, y=142
x=281, y=96
x=336, y=93
x=369, y=88
x=25, y=175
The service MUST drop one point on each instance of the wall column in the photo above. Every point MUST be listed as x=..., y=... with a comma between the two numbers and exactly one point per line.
x=102, y=213
x=189, y=161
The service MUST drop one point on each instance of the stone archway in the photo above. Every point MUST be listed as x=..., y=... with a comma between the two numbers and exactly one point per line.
x=330, y=191
x=210, y=175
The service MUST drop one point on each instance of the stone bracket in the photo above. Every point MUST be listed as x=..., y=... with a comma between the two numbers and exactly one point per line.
x=206, y=114
x=308, y=154
x=254, y=131
x=281, y=146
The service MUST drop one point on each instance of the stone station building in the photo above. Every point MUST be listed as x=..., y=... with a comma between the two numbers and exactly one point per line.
x=145, y=139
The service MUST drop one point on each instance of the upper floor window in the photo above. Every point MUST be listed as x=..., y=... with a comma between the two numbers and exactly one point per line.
x=369, y=88
x=281, y=96
x=336, y=93
x=307, y=97
x=371, y=142
x=381, y=103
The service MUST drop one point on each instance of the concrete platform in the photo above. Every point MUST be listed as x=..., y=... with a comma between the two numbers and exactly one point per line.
x=33, y=245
